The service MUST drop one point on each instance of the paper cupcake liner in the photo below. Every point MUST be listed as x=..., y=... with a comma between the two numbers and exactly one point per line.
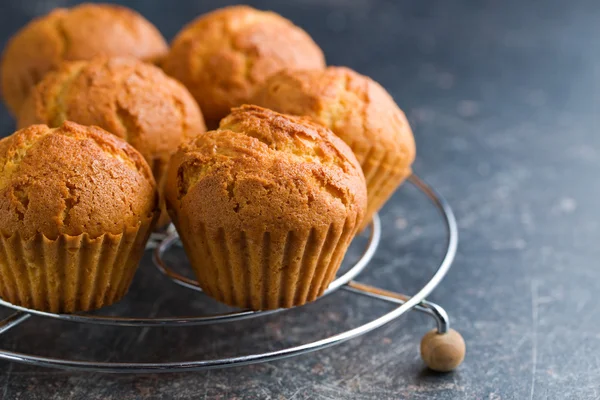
x=71, y=273
x=383, y=177
x=264, y=270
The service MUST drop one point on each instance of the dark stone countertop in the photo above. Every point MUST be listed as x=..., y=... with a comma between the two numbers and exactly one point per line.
x=503, y=98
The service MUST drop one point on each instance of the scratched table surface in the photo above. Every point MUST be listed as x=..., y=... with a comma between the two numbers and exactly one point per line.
x=503, y=99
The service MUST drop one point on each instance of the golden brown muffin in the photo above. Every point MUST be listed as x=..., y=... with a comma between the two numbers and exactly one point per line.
x=77, y=205
x=134, y=100
x=79, y=33
x=266, y=207
x=222, y=56
x=360, y=112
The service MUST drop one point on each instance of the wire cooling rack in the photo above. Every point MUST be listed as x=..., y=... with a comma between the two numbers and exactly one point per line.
x=437, y=349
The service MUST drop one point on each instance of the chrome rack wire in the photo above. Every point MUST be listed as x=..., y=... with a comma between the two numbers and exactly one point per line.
x=345, y=282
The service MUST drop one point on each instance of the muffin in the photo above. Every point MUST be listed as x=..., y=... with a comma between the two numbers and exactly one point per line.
x=131, y=99
x=360, y=112
x=77, y=205
x=266, y=207
x=79, y=33
x=222, y=56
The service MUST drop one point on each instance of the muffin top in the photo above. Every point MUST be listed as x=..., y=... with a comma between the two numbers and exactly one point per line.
x=266, y=171
x=223, y=55
x=72, y=180
x=79, y=33
x=353, y=106
x=127, y=97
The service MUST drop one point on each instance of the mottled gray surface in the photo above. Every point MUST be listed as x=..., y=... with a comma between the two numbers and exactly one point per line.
x=503, y=98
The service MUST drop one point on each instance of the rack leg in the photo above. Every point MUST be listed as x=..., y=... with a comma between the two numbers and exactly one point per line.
x=443, y=349
x=431, y=309
x=440, y=315
x=13, y=320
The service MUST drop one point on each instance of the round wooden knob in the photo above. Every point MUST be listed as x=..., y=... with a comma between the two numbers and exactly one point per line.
x=443, y=352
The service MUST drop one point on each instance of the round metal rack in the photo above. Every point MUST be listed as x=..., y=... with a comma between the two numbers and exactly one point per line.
x=344, y=282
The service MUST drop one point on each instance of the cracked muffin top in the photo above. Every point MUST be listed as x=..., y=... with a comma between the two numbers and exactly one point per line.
x=223, y=55
x=262, y=170
x=70, y=181
x=355, y=107
x=78, y=33
x=127, y=97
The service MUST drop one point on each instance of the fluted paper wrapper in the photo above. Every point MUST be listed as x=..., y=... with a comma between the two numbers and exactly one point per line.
x=264, y=270
x=382, y=178
x=71, y=273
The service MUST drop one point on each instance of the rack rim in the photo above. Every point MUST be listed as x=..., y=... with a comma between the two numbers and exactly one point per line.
x=405, y=303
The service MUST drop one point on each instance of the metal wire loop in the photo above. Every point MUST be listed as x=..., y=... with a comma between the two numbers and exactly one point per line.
x=404, y=303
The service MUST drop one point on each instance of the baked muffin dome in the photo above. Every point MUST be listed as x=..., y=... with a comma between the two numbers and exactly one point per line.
x=221, y=56
x=77, y=205
x=79, y=33
x=127, y=97
x=266, y=207
x=72, y=180
x=360, y=112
